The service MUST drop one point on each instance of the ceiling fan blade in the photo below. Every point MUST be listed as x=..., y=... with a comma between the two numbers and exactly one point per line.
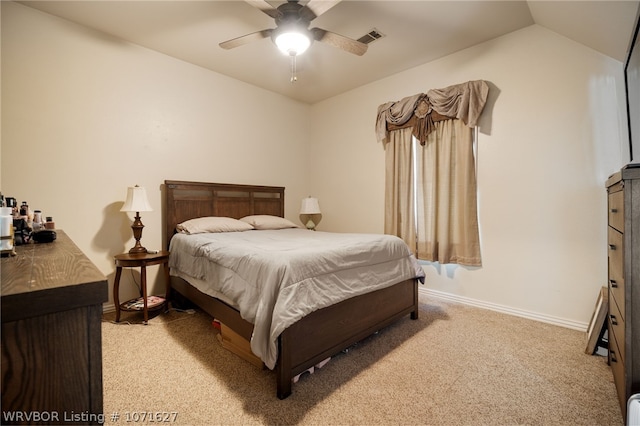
x=315, y=8
x=341, y=42
x=239, y=41
x=265, y=7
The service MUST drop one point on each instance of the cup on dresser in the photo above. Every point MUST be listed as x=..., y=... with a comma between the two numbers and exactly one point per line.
x=49, y=224
x=6, y=228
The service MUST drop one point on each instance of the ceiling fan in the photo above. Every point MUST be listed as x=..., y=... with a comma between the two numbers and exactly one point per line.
x=292, y=34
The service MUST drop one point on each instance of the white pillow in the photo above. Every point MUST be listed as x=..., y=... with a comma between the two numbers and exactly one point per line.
x=264, y=221
x=212, y=224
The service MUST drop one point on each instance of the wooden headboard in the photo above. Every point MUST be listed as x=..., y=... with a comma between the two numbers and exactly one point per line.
x=188, y=200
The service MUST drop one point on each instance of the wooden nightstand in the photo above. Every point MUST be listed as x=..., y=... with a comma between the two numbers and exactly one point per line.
x=141, y=261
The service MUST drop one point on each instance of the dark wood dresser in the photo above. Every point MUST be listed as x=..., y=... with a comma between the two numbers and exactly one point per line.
x=52, y=298
x=623, y=190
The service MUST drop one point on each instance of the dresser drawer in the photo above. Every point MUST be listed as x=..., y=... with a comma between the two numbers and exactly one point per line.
x=617, y=368
x=616, y=210
x=616, y=327
x=616, y=271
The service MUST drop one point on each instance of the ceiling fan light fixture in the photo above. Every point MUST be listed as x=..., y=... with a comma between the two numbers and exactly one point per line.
x=292, y=42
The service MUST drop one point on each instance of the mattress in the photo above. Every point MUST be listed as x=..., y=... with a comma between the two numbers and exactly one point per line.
x=276, y=277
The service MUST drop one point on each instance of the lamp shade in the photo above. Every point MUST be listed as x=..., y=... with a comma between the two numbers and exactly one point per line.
x=136, y=200
x=310, y=205
x=292, y=40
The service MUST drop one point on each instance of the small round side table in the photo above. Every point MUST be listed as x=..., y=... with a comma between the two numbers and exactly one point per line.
x=141, y=261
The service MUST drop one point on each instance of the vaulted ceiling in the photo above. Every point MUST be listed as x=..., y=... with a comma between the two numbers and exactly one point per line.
x=415, y=32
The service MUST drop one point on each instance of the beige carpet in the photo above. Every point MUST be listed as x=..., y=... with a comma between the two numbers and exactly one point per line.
x=456, y=365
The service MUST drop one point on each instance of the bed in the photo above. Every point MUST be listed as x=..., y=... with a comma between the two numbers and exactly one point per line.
x=316, y=335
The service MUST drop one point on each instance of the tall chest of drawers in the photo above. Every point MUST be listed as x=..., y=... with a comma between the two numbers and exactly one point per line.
x=623, y=237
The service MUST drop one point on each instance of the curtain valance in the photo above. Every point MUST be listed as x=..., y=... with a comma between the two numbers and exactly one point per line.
x=463, y=101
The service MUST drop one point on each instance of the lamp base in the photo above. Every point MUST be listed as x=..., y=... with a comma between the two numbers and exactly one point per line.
x=137, y=227
x=310, y=220
x=138, y=250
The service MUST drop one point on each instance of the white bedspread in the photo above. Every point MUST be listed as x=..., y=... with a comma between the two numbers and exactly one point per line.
x=274, y=278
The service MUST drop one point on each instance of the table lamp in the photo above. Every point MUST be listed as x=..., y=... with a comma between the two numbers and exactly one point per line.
x=310, y=212
x=136, y=202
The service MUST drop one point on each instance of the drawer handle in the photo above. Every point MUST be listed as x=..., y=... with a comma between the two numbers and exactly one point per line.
x=614, y=210
x=614, y=320
x=612, y=246
x=613, y=283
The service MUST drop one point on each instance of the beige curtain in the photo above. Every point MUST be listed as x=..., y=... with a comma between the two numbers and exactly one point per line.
x=399, y=212
x=441, y=223
x=446, y=202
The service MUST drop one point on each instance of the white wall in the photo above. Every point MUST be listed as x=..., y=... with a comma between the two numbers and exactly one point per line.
x=551, y=135
x=86, y=115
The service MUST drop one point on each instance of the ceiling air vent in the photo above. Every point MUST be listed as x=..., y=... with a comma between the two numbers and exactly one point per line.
x=371, y=36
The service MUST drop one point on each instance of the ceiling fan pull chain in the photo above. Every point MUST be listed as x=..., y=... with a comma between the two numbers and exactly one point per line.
x=294, y=76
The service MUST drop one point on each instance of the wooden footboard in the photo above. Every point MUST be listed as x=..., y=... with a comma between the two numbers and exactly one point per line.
x=325, y=332
x=322, y=333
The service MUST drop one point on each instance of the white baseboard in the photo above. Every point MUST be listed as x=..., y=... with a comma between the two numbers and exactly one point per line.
x=562, y=322
x=549, y=319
